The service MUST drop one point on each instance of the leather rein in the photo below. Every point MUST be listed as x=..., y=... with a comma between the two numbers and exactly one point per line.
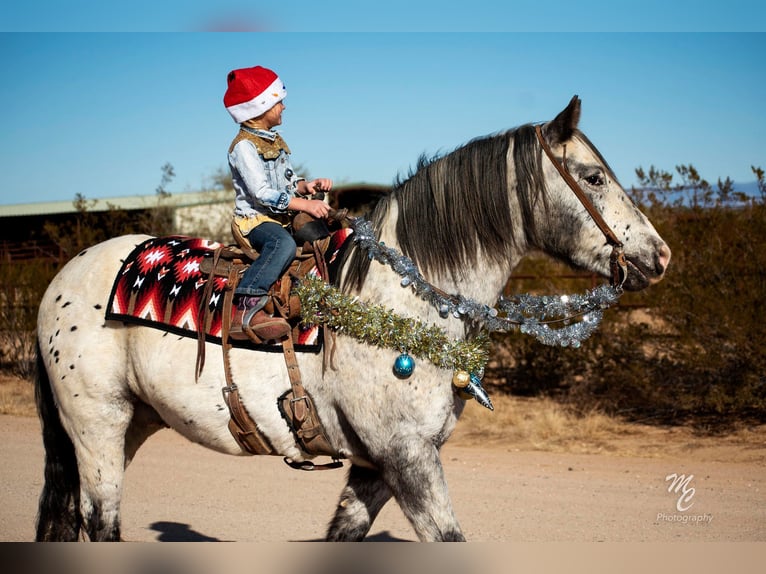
x=618, y=263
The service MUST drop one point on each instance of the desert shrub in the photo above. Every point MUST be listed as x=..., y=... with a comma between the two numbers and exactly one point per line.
x=21, y=288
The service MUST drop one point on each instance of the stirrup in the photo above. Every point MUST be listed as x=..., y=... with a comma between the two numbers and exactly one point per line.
x=248, y=315
x=270, y=329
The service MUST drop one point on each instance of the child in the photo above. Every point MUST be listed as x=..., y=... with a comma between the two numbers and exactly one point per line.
x=266, y=186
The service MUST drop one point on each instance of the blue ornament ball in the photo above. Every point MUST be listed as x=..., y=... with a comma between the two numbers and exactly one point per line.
x=404, y=365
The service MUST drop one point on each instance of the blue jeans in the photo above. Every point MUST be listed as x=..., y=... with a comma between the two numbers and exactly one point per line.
x=276, y=248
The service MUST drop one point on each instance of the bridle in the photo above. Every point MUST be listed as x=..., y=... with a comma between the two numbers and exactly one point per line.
x=618, y=263
x=525, y=312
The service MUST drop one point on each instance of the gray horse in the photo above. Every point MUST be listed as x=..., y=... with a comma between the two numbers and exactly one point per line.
x=466, y=219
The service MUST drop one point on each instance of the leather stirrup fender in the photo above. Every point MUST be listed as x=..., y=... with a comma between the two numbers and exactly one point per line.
x=298, y=409
x=241, y=425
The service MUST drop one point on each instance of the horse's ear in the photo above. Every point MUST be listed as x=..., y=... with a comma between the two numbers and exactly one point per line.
x=560, y=130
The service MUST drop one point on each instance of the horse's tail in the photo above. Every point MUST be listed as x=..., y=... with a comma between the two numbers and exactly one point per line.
x=59, y=517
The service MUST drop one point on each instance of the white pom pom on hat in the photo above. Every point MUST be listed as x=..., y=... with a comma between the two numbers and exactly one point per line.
x=251, y=92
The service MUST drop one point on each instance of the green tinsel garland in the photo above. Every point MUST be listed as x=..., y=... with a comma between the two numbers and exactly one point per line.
x=374, y=324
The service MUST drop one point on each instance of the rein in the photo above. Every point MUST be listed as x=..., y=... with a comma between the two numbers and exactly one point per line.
x=619, y=265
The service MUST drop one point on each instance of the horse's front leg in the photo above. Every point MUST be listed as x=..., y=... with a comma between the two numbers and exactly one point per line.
x=360, y=502
x=413, y=471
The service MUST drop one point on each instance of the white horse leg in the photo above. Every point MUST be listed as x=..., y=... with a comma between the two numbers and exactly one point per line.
x=98, y=435
x=104, y=447
x=413, y=471
x=360, y=502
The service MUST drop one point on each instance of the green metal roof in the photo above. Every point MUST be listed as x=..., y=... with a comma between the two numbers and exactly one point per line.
x=131, y=202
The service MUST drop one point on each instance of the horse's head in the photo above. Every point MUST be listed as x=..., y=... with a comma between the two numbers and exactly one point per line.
x=480, y=208
x=569, y=227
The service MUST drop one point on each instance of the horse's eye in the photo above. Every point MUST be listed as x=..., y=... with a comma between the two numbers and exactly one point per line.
x=595, y=180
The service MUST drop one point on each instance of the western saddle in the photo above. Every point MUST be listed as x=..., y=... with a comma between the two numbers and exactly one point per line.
x=296, y=405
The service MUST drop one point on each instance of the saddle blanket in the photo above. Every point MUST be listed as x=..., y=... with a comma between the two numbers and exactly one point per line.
x=160, y=285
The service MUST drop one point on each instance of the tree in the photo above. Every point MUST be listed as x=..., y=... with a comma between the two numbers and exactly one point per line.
x=159, y=220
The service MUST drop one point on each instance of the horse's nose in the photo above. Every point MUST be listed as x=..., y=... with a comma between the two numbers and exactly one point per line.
x=663, y=259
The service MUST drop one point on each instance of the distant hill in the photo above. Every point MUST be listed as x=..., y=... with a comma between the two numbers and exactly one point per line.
x=750, y=188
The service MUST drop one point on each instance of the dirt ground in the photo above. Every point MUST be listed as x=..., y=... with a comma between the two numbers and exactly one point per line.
x=502, y=492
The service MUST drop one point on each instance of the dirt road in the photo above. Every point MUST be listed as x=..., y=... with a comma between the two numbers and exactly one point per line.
x=178, y=491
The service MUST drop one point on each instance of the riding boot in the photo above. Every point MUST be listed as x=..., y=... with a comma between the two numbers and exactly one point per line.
x=250, y=321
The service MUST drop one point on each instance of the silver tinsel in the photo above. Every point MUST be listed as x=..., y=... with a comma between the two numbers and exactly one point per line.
x=579, y=315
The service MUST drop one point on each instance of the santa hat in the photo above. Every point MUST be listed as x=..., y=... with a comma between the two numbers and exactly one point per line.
x=251, y=92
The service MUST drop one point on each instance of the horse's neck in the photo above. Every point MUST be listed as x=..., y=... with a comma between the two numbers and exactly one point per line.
x=483, y=283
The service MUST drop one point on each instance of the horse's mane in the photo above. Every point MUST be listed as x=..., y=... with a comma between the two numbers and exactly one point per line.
x=454, y=206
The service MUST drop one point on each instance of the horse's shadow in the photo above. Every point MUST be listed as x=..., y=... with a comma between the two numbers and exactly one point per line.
x=384, y=536
x=178, y=532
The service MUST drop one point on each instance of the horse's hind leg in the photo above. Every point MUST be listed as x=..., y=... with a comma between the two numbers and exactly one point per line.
x=415, y=475
x=84, y=464
x=360, y=502
x=99, y=441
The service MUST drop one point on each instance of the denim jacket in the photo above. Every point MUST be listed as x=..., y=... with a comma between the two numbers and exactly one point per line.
x=264, y=181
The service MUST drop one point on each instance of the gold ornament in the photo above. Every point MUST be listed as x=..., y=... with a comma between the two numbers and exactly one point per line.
x=461, y=379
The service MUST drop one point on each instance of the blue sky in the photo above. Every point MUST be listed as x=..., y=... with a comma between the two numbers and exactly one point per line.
x=391, y=15
x=100, y=113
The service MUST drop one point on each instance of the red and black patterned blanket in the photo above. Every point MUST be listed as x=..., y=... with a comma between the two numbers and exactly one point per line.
x=160, y=285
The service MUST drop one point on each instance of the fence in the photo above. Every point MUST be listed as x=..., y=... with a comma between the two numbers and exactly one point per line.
x=11, y=252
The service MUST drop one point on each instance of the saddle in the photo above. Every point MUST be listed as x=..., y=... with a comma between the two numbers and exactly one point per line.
x=230, y=261
x=296, y=405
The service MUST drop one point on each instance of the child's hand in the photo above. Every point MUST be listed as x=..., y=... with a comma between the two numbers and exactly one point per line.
x=314, y=207
x=314, y=186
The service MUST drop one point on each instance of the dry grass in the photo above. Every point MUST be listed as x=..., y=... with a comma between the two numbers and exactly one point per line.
x=539, y=424
x=522, y=424
x=17, y=397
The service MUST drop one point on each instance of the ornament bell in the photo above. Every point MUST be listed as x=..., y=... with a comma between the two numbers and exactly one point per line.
x=404, y=365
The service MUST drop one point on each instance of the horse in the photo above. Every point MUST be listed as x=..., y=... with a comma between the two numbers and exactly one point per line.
x=465, y=218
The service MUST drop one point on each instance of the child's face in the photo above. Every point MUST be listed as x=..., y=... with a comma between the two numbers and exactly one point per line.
x=273, y=117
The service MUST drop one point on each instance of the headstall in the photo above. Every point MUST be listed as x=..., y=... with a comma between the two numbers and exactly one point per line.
x=618, y=263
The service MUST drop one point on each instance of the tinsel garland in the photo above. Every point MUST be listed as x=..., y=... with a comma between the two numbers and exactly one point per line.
x=534, y=315
x=381, y=327
x=374, y=324
x=530, y=314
